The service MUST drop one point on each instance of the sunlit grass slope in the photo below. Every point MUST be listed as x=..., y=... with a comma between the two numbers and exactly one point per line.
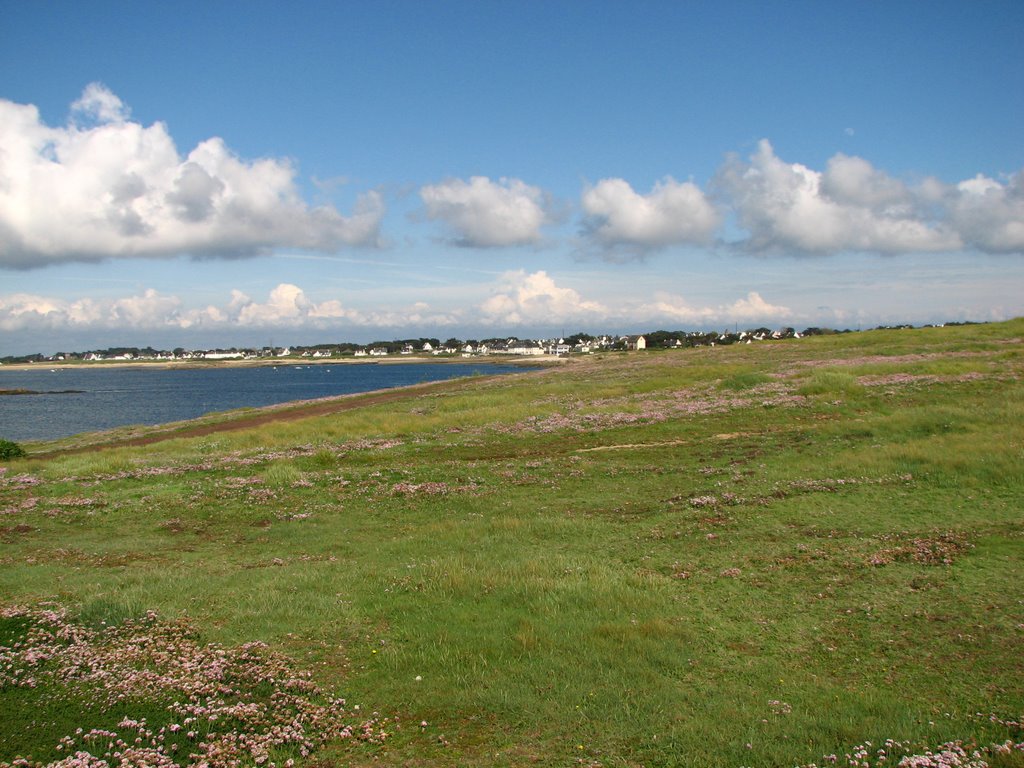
x=755, y=555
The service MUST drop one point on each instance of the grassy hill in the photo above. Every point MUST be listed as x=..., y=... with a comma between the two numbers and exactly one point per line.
x=770, y=554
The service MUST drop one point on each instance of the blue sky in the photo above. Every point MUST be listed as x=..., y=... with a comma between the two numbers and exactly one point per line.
x=203, y=174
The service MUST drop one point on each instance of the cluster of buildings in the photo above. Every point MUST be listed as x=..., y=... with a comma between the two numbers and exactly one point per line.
x=512, y=346
x=579, y=344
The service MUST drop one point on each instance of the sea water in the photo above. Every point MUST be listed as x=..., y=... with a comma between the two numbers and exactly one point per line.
x=104, y=398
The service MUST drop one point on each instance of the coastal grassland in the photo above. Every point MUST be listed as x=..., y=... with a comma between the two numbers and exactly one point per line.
x=754, y=555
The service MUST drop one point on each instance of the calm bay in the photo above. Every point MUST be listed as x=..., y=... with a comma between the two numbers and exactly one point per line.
x=73, y=400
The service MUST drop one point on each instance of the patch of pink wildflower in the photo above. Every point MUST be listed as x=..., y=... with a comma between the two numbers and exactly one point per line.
x=890, y=359
x=19, y=482
x=911, y=379
x=937, y=549
x=227, y=462
x=704, y=501
x=830, y=485
x=648, y=408
x=952, y=754
x=230, y=706
x=420, y=489
x=24, y=505
x=780, y=707
x=431, y=488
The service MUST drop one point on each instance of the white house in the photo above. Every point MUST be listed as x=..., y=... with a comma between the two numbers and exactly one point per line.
x=519, y=348
x=636, y=342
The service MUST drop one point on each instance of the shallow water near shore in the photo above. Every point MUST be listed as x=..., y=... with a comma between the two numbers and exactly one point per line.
x=76, y=400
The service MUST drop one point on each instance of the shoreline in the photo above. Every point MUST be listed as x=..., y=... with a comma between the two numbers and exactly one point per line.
x=245, y=417
x=262, y=363
x=234, y=419
x=240, y=412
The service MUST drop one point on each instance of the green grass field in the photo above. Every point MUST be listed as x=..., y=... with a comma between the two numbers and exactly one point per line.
x=776, y=554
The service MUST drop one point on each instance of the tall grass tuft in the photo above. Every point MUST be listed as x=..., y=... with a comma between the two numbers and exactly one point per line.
x=830, y=382
x=745, y=380
x=281, y=474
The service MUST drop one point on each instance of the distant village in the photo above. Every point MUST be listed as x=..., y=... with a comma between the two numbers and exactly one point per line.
x=577, y=344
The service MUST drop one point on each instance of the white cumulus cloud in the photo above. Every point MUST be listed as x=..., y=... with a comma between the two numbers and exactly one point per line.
x=676, y=309
x=751, y=308
x=105, y=186
x=990, y=215
x=523, y=298
x=27, y=312
x=482, y=213
x=97, y=103
x=849, y=207
x=286, y=305
x=791, y=208
x=671, y=213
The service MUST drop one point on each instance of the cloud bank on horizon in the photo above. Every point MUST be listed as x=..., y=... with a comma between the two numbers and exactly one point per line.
x=516, y=299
